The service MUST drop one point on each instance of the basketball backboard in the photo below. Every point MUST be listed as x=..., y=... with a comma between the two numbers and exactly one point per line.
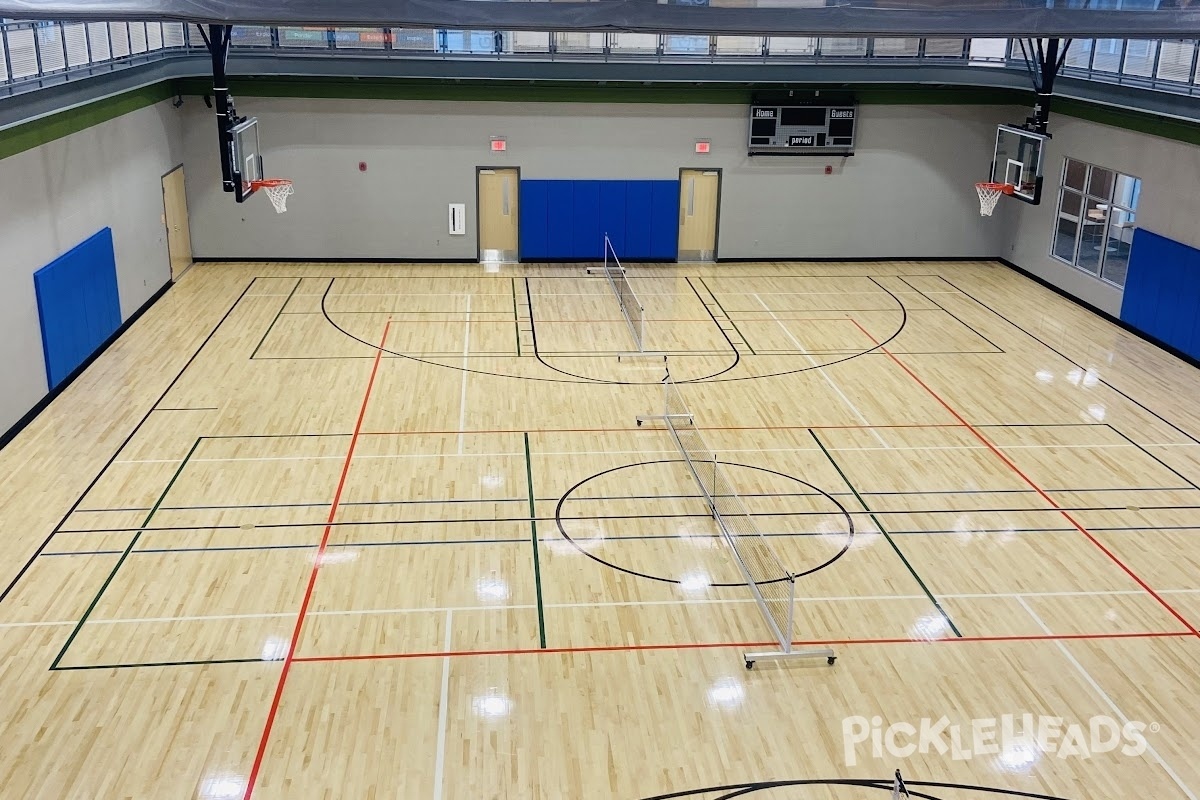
x=1018, y=161
x=247, y=158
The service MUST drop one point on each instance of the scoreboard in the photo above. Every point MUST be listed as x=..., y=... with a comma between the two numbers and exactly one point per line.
x=796, y=125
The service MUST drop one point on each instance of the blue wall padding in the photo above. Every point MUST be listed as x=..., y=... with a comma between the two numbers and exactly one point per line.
x=78, y=306
x=562, y=219
x=1162, y=291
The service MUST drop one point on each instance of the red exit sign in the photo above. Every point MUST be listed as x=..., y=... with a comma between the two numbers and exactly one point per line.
x=703, y=147
x=499, y=145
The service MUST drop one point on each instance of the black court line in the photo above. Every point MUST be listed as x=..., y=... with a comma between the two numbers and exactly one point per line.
x=1117, y=529
x=610, y=498
x=879, y=525
x=570, y=378
x=651, y=269
x=1161, y=463
x=75, y=505
x=892, y=352
x=125, y=555
x=732, y=321
x=275, y=319
x=1073, y=362
x=962, y=322
x=600, y=517
x=501, y=316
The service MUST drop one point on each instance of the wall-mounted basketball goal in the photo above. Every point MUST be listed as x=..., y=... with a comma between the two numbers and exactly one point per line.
x=1020, y=152
x=241, y=155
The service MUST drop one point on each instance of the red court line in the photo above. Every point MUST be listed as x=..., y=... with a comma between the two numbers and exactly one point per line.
x=1066, y=515
x=626, y=648
x=633, y=429
x=312, y=578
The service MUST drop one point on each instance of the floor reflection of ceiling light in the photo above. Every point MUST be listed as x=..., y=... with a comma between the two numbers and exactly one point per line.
x=275, y=649
x=1097, y=412
x=492, y=705
x=222, y=787
x=340, y=555
x=726, y=693
x=933, y=626
x=492, y=481
x=695, y=582
x=1018, y=757
x=1044, y=375
x=491, y=590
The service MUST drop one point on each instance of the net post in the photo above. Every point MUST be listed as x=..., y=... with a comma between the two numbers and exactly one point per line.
x=791, y=617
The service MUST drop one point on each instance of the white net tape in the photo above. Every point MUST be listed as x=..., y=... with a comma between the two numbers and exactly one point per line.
x=278, y=195
x=989, y=196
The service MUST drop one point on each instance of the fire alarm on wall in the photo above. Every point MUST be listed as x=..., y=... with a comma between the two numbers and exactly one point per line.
x=362, y=166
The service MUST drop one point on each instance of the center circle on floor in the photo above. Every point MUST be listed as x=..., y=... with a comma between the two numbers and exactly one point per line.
x=649, y=519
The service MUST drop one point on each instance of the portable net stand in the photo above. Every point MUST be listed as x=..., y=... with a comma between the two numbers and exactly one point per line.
x=278, y=190
x=989, y=195
x=899, y=790
x=771, y=583
x=631, y=307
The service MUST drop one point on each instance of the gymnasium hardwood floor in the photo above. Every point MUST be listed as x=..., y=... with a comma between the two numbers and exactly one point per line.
x=329, y=531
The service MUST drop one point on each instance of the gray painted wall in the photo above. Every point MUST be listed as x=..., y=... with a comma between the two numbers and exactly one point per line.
x=57, y=195
x=908, y=192
x=1170, y=172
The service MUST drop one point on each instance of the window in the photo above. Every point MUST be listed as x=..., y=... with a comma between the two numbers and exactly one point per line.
x=1096, y=217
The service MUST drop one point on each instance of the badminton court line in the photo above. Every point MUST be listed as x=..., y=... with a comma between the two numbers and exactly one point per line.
x=832, y=384
x=1049, y=500
x=1108, y=701
x=462, y=401
x=1082, y=593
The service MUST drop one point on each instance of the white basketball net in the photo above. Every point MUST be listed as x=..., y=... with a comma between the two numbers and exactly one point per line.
x=278, y=195
x=989, y=196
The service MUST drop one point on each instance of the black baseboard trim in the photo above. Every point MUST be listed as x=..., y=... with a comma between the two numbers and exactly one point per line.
x=452, y=262
x=841, y=260
x=41, y=405
x=1120, y=323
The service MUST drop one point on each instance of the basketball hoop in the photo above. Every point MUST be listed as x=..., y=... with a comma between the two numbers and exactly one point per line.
x=989, y=195
x=277, y=189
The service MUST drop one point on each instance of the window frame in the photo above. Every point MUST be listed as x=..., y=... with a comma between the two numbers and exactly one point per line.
x=1116, y=210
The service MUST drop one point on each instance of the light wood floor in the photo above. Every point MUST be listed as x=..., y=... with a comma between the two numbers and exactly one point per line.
x=329, y=531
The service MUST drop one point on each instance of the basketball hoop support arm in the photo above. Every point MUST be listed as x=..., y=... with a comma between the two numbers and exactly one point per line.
x=1044, y=62
x=217, y=40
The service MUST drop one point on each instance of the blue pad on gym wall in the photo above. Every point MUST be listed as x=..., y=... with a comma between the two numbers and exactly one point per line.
x=1162, y=291
x=78, y=304
x=564, y=219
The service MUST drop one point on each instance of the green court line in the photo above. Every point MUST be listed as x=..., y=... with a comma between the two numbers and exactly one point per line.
x=537, y=564
x=196, y=663
x=516, y=316
x=129, y=549
x=277, y=315
x=886, y=535
x=713, y=295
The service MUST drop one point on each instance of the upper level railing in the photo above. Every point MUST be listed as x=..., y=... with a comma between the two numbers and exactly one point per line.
x=36, y=54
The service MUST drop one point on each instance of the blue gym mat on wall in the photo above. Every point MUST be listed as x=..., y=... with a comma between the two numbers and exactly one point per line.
x=78, y=304
x=1162, y=291
x=568, y=219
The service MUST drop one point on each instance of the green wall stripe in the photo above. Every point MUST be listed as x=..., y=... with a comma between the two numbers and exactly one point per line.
x=38, y=132
x=35, y=133
x=1162, y=127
